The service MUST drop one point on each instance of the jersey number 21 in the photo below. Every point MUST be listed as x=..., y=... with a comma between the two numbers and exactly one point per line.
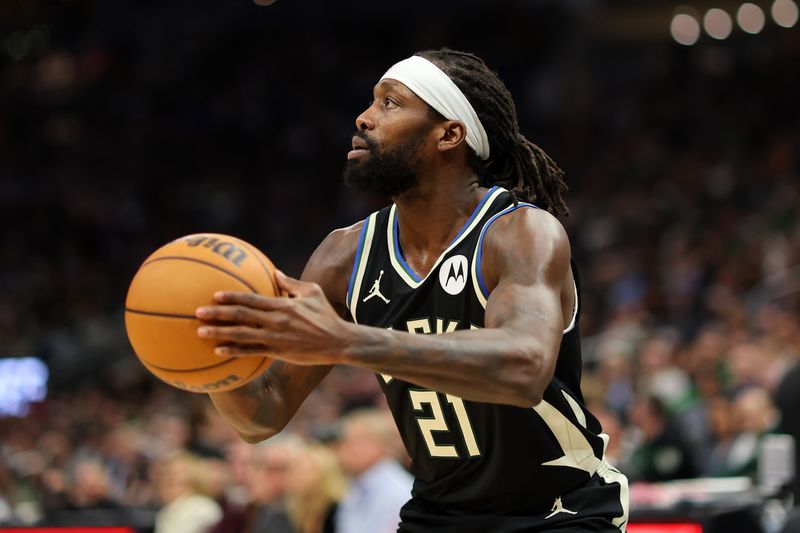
x=419, y=398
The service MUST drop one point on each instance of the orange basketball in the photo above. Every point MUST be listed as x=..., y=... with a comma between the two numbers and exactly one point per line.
x=164, y=294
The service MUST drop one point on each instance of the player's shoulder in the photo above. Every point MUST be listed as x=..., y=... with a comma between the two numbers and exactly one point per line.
x=346, y=236
x=338, y=248
x=525, y=236
x=332, y=261
x=525, y=223
x=344, y=241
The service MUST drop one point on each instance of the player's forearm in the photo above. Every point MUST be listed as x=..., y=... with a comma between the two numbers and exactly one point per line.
x=263, y=407
x=488, y=365
x=256, y=410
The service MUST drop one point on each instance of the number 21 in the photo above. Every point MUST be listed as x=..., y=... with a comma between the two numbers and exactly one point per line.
x=438, y=423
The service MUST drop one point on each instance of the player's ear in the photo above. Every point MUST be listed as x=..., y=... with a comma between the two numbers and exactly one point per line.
x=453, y=133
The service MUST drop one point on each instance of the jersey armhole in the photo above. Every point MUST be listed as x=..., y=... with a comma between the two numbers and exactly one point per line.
x=572, y=322
x=477, y=272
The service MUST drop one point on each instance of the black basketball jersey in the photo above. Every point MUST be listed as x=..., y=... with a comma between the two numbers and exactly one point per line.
x=472, y=457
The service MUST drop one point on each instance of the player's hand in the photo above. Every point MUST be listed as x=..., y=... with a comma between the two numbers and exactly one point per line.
x=302, y=329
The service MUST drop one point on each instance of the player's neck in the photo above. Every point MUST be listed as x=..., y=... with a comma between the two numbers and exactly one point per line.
x=431, y=215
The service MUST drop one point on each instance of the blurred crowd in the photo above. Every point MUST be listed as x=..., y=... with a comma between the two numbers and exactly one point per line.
x=125, y=125
x=98, y=457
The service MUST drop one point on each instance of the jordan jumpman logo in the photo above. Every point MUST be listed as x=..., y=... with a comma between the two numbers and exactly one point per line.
x=376, y=290
x=558, y=507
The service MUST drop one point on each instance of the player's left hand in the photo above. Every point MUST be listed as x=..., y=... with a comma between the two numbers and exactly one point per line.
x=303, y=329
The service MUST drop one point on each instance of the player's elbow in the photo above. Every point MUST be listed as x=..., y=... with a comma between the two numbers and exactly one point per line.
x=528, y=378
x=254, y=436
x=534, y=399
x=253, y=433
x=527, y=396
x=524, y=398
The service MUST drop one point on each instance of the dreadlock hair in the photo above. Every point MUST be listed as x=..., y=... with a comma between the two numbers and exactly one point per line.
x=514, y=162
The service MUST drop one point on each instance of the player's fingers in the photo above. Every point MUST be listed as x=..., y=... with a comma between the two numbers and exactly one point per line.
x=236, y=334
x=295, y=287
x=249, y=299
x=287, y=284
x=230, y=313
x=236, y=350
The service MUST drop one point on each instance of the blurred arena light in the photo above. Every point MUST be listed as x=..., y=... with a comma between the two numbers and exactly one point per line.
x=20, y=44
x=718, y=23
x=685, y=28
x=750, y=18
x=264, y=2
x=785, y=13
x=23, y=381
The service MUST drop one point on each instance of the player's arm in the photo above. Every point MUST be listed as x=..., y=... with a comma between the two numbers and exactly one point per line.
x=263, y=407
x=512, y=360
x=526, y=266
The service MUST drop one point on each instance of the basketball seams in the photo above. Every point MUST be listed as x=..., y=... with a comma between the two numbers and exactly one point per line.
x=175, y=317
x=269, y=272
x=215, y=365
x=260, y=366
x=206, y=263
x=264, y=360
x=157, y=313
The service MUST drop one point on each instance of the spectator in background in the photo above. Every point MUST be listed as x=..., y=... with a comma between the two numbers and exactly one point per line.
x=127, y=466
x=235, y=499
x=91, y=486
x=746, y=362
x=238, y=456
x=662, y=454
x=612, y=426
x=722, y=433
x=316, y=485
x=659, y=376
x=379, y=486
x=266, y=483
x=755, y=416
x=51, y=490
x=6, y=498
x=171, y=432
x=787, y=399
x=81, y=496
x=181, y=487
x=615, y=374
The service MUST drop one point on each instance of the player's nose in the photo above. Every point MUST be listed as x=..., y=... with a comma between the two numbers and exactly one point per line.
x=364, y=121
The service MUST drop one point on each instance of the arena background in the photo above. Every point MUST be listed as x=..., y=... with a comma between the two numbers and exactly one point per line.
x=124, y=125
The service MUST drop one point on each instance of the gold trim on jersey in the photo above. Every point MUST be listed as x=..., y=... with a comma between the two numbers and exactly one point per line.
x=612, y=475
x=578, y=451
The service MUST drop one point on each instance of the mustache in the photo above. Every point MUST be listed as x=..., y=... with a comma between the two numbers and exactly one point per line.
x=372, y=144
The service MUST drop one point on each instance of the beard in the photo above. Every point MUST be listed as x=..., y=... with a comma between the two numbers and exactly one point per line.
x=385, y=173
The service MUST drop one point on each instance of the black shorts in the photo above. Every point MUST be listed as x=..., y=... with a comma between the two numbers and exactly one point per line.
x=599, y=506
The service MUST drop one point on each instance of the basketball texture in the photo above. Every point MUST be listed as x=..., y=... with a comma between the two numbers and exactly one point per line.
x=164, y=294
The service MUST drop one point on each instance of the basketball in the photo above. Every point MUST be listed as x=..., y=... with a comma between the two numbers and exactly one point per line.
x=164, y=294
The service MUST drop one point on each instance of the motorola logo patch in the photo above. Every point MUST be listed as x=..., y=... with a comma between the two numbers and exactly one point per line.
x=453, y=274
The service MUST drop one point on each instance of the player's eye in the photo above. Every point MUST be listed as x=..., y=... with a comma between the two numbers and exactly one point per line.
x=388, y=103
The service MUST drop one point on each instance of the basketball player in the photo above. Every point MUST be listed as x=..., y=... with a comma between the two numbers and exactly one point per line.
x=461, y=297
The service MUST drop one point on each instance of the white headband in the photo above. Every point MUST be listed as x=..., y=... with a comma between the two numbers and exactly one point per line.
x=436, y=88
